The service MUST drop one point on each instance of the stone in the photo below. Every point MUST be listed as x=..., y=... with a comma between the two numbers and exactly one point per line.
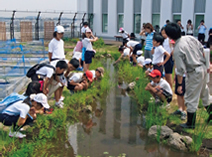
x=132, y=85
x=165, y=132
x=109, y=55
x=180, y=142
x=101, y=56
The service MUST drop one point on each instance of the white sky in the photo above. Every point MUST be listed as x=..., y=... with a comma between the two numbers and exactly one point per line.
x=37, y=5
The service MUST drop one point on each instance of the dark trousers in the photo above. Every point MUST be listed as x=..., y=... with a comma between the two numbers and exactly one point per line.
x=160, y=68
x=9, y=120
x=201, y=38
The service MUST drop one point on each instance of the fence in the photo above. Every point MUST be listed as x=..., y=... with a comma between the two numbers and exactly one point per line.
x=28, y=26
x=16, y=59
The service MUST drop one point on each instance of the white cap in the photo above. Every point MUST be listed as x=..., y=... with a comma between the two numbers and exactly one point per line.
x=147, y=61
x=140, y=52
x=88, y=30
x=41, y=98
x=59, y=29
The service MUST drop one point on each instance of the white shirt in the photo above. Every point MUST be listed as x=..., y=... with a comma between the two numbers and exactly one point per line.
x=163, y=84
x=77, y=55
x=158, y=55
x=87, y=44
x=83, y=29
x=126, y=52
x=94, y=73
x=77, y=77
x=57, y=49
x=46, y=71
x=132, y=43
x=140, y=60
x=125, y=35
x=166, y=46
x=18, y=108
x=150, y=70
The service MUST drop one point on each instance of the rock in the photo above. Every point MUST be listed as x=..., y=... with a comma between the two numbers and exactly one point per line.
x=88, y=108
x=165, y=132
x=101, y=56
x=180, y=142
x=132, y=85
x=109, y=55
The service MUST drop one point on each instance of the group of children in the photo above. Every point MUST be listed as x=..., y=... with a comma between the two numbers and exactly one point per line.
x=51, y=77
x=158, y=65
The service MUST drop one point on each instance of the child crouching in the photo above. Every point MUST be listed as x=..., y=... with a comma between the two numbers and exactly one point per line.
x=159, y=88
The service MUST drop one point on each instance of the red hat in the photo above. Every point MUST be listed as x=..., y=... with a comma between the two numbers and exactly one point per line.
x=172, y=42
x=89, y=75
x=155, y=73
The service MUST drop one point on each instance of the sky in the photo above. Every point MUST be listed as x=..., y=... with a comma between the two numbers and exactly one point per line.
x=37, y=5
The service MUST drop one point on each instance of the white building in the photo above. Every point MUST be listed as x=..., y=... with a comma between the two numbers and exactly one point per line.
x=110, y=15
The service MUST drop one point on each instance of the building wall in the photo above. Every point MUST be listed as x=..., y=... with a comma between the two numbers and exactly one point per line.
x=146, y=14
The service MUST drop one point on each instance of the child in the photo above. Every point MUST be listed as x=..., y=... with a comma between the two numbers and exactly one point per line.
x=159, y=87
x=168, y=66
x=22, y=113
x=125, y=35
x=158, y=53
x=51, y=80
x=56, y=45
x=73, y=64
x=89, y=53
x=134, y=47
x=84, y=28
x=148, y=66
x=180, y=98
x=125, y=53
x=98, y=73
x=79, y=81
x=140, y=59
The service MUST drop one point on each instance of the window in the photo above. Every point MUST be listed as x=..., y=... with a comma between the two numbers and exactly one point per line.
x=120, y=21
x=104, y=23
x=120, y=12
x=90, y=19
x=104, y=16
x=137, y=23
x=156, y=13
x=90, y=13
x=176, y=18
x=199, y=6
x=177, y=6
x=137, y=16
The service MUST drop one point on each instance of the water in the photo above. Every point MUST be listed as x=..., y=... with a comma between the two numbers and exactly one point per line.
x=113, y=128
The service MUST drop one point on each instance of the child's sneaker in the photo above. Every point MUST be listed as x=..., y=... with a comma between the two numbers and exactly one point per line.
x=177, y=112
x=16, y=134
x=183, y=115
x=59, y=104
x=62, y=98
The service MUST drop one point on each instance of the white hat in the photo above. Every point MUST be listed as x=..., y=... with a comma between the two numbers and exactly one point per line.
x=140, y=52
x=41, y=98
x=121, y=29
x=59, y=29
x=88, y=30
x=147, y=61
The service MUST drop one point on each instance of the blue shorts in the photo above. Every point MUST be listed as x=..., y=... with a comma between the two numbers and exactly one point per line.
x=160, y=68
x=83, y=53
x=137, y=48
x=88, y=57
x=168, y=66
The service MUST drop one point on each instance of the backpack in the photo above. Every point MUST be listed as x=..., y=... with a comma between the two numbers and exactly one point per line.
x=36, y=67
x=9, y=100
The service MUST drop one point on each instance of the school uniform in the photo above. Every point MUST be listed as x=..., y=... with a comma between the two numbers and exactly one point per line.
x=77, y=78
x=166, y=89
x=158, y=57
x=140, y=60
x=11, y=114
x=126, y=52
x=168, y=66
x=57, y=49
x=125, y=37
x=89, y=53
x=135, y=45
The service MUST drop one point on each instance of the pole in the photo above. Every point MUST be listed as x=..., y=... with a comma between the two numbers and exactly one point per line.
x=37, y=27
x=12, y=25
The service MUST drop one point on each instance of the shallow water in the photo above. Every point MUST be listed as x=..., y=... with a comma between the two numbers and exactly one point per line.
x=113, y=128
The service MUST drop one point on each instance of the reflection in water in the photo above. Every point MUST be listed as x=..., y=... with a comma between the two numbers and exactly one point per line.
x=72, y=137
x=102, y=124
x=133, y=122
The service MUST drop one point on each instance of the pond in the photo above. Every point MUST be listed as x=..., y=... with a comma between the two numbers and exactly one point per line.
x=113, y=128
